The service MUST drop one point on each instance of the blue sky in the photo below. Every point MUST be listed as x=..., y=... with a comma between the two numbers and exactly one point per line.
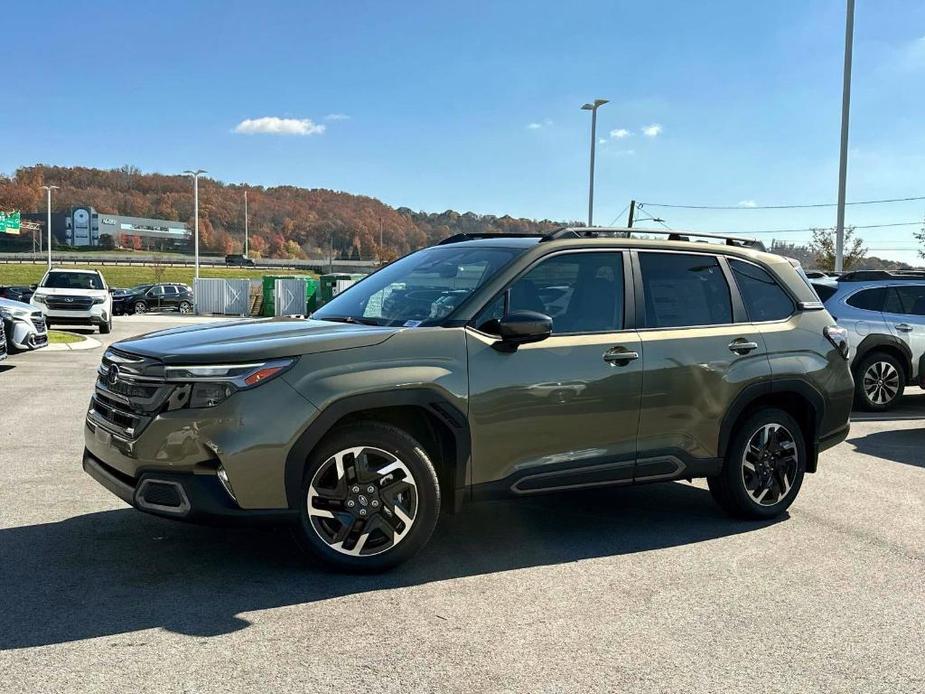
x=475, y=106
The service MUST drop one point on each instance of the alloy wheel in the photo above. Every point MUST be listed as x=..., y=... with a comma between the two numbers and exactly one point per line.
x=881, y=382
x=769, y=464
x=186, y=307
x=140, y=307
x=362, y=501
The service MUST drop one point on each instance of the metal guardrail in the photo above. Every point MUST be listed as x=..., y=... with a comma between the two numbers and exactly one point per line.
x=320, y=265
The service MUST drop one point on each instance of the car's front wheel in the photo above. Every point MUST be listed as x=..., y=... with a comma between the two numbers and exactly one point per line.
x=370, y=498
x=140, y=307
x=764, y=466
x=186, y=307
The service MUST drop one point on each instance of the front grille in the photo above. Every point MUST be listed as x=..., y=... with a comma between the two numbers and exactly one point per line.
x=130, y=392
x=61, y=302
x=38, y=320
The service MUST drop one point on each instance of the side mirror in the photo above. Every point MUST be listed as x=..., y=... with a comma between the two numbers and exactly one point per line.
x=33, y=287
x=522, y=327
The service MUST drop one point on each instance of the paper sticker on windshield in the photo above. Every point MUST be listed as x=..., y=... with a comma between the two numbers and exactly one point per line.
x=411, y=323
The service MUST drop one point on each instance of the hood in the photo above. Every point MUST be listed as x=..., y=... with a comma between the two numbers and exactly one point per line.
x=252, y=340
x=51, y=291
x=13, y=305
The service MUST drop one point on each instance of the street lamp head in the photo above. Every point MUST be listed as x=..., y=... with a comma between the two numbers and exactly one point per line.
x=197, y=172
x=599, y=102
x=594, y=106
x=587, y=107
x=49, y=187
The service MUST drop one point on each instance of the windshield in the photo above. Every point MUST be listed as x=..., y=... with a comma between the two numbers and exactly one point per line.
x=73, y=280
x=138, y=289
x=420, y=289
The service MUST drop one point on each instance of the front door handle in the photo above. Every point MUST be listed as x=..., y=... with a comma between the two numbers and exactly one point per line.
x=742, y=346
x=904, y=328
x=620, y=356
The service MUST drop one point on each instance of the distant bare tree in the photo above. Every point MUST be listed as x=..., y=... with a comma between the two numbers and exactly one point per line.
x=157, y=269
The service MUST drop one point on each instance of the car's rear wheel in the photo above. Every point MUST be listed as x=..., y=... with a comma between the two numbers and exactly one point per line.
x=764, y=466
x=370, y=498
x=186, y=307
x=140, y=307
x=879, y=381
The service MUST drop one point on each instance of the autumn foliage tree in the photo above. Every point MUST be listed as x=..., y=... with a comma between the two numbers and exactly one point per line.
x=284, y=221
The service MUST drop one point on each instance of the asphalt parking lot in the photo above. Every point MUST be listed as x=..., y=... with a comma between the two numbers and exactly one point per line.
x=635, y=589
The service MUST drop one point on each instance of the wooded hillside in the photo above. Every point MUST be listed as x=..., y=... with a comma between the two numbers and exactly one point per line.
x=284, y=221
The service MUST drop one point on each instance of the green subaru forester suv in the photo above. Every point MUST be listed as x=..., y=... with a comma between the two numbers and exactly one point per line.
x=483, y=366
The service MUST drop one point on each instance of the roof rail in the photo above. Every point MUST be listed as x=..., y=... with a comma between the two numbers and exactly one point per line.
x=869, y=275
x=627, y=232
x=472, y=236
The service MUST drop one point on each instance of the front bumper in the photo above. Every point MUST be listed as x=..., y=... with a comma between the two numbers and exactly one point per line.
x=96, y=315
x=196, y=497
x=24, y=335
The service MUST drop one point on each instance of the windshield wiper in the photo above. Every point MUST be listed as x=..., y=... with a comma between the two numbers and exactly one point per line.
x=350, y=319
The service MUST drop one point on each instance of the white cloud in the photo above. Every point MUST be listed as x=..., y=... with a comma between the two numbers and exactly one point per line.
x=602, y=141
x=747, y=203
x=620, y=133
x=653, y=130
x=337, y=116
x=536, y=125
x=272, y=125
x=912, y=55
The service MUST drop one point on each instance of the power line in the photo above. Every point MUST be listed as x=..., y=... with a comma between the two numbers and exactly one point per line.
x=858, y=226
x=776, y=207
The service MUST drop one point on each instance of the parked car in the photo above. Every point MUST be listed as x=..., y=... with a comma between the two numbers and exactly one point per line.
x=23, y=324
x=3, y=349
x=74, y=297
x=884, y=313
x=16, y=293
x=154, y=297
x=482, y=367
x=239, y=260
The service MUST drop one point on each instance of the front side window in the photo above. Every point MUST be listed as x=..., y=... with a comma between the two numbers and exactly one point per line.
x=763, y=297
x=420, y=289
x=684, y=290
x=62, y=279
x=868, y=299
x=909, y=300
x=581, y=292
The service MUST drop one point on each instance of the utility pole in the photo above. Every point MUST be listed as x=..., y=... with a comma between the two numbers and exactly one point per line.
x=629, y=220
x=592, y=107
x=380, y=240
x=49, y=189
x=245, y=223
x=843, y=154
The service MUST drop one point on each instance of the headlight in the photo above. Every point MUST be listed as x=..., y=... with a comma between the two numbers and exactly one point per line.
x=17, y=313
x=213, y=384
x=98, y=300
x=38, y=298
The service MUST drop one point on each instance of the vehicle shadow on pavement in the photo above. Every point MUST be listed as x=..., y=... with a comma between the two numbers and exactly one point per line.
x=122, y=571
x=901, y=445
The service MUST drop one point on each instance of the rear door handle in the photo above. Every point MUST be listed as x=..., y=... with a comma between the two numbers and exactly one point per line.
x=741, y=346
x=620, y=356
x=904, y=328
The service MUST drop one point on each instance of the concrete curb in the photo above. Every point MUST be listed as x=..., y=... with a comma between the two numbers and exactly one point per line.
x=86, y=343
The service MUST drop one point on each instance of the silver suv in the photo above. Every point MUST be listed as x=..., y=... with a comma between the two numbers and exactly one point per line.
x=884, y=313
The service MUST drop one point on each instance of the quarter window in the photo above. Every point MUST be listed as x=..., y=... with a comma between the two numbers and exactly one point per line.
x=684, y=290
x=868, y=299
x=581, y=292
x=763, y=297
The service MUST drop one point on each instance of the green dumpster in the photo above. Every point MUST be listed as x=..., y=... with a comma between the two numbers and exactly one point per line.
x=335, y=282
x=269, y=292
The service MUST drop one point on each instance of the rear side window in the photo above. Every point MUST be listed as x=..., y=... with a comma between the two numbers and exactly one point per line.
x=684, y=290
x=868, y=299
x=763, y=297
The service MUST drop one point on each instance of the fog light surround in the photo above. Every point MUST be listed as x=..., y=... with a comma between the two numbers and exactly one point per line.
x=226, y=483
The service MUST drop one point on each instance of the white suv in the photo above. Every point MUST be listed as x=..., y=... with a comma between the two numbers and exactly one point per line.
x=74, y=297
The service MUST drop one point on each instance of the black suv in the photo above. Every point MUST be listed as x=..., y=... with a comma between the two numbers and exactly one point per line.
x=153, y=297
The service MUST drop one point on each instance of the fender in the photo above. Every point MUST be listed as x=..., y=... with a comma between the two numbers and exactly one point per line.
x=755, y=391
x=431, y=400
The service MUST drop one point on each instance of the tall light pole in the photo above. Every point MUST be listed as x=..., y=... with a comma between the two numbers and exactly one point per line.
x=196, y=174
x=245, y=223
x=49, y=189
x=843, y=154
x=593, y=109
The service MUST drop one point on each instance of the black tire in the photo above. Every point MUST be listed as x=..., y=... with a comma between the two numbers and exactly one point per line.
x=106, y=328
x=139, y=307
x=730, y=488
x=390, y=440
x=874, y=379
x=185, y=307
